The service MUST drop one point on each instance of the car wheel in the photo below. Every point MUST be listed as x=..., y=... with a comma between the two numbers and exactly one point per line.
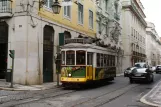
x=152, y=79
x=131, y=80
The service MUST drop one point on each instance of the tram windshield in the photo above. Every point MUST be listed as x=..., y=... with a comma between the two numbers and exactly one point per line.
x=70, y=57
x=80, y=57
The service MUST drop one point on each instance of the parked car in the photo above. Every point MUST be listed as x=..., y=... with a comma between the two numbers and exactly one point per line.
x=158, y=69
x=128, y=71
x=141, y=74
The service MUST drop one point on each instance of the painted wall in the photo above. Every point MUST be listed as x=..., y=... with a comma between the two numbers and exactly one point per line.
x=73, y=22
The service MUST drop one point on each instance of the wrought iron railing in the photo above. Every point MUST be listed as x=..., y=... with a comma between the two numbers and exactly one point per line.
x=5, y=6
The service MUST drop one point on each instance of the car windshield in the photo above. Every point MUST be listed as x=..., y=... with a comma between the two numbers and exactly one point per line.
x=138, y=65
x=159, y=67
x=128, y=68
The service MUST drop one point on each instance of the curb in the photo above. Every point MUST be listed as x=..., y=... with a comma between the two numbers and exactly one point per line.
x=16, y=89
x=143, y=99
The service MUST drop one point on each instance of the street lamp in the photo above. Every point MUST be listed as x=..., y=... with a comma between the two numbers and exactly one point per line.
x=56, y=7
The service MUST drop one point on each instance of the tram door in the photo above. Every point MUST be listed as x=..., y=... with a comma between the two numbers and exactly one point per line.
x=90, y=65
x=3, y=48
x=48, y=54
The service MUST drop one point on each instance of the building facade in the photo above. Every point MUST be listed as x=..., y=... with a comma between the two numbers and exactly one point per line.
x=133, y=32
x=153, y=44
x=35, y=33
x=109, y=29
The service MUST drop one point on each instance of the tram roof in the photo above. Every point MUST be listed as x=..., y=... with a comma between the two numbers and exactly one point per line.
x=77, y=46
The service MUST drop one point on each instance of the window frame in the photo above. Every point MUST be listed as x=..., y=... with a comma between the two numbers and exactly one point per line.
x=47, y=4
x=92, y=24
x=80, y=14
x=66, y=14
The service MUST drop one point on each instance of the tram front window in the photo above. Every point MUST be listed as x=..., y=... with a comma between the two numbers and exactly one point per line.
x=70, y=58
x=81, y=57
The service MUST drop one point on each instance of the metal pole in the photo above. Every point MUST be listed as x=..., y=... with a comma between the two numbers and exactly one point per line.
x=57, y=79
x=12, y=73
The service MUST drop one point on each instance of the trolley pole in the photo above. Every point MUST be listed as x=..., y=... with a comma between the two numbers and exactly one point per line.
x=12, y=55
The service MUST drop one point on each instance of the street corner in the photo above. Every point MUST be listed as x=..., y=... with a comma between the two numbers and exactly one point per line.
x=153, y=97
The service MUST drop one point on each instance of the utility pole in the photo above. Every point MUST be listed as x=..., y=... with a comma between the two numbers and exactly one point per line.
x=58, y=64
x=12, y=55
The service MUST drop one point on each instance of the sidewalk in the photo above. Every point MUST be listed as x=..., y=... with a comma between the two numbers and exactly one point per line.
x=17, y=87
x=153, y=98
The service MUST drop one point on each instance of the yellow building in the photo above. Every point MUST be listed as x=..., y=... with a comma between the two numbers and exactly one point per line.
x=77, y=16
x=73, y=21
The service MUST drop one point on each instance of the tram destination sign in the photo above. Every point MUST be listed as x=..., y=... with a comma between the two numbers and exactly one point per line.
x=78, y=40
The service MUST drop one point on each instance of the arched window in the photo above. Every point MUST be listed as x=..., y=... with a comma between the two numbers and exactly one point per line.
x=67, y=35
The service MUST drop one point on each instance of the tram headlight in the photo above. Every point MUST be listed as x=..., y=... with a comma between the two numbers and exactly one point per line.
x=69, y=75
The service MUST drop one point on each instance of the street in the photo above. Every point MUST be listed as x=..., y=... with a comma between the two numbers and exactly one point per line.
x=119, y=93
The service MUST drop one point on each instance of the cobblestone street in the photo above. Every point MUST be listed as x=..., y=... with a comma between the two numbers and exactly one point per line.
x=113, y=94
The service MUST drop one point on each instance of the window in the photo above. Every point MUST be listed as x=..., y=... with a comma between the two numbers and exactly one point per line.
x=98, y=60
x=49, y=3
x=63, y=57
x=70, y=57
x=80, y=13
x=101, y=60
x=106, y=4
x=67, y=11
x=89, y=58
x=131, y=31
x=105, y=60
x=80, y=57
x=90, y=19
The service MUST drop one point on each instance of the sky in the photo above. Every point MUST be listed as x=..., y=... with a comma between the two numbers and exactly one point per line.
x=153, y=13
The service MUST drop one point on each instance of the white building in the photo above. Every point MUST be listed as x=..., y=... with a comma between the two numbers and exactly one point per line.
x=133, y=32
x=153, y=45
x=109, y=29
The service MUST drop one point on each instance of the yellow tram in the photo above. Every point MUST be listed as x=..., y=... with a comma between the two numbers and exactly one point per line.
x=84, y=62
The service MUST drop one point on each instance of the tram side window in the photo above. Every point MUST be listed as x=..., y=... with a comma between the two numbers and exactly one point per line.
x=70, y=58
x=89, y=58
x=80, y=57
x=98, y=60
x=113, y=60
x=105, y=60
x=110, y=60
x=102, y=60
x=63, y=57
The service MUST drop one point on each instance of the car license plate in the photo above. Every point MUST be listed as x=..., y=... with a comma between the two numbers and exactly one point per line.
x=137, y=74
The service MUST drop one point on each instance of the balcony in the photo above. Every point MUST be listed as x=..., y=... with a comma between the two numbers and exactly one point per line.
x=5, y=9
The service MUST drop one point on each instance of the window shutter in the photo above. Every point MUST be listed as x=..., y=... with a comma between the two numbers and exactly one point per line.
x=61, y=39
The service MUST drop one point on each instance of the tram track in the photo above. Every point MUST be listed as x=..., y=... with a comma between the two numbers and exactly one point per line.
x=59, y=92
x=36, y=96
x=121, y=91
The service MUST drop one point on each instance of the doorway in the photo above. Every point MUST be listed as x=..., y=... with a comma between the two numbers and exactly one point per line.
x=3, y=48
x=48, y=54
